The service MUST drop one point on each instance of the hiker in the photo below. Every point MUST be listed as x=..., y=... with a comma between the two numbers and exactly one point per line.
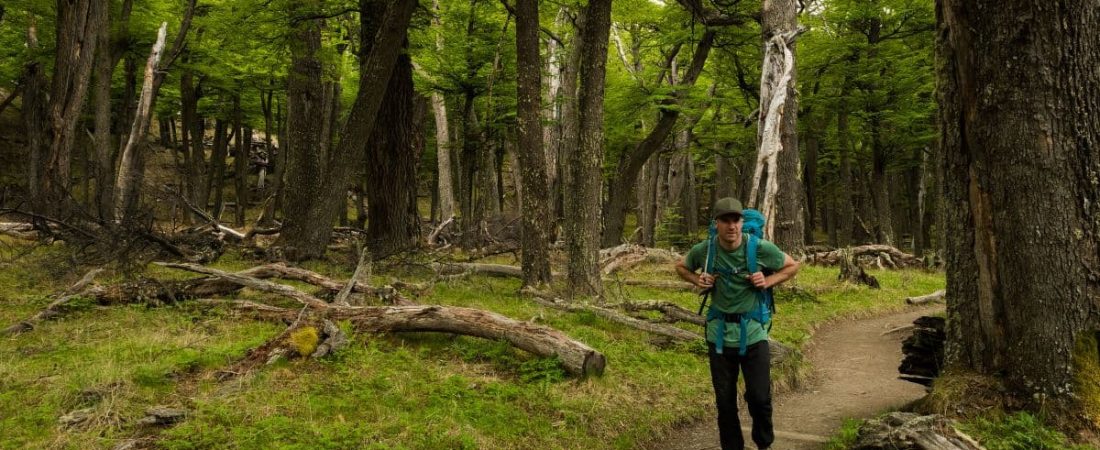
x=739, y=316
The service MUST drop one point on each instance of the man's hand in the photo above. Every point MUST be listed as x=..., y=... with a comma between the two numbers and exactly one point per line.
x=757, y=279
x=705, y=281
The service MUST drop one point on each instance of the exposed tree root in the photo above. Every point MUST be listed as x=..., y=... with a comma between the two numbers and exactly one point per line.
x=933, y=297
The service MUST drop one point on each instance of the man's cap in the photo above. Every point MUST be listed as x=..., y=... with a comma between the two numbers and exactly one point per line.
x=727, y=205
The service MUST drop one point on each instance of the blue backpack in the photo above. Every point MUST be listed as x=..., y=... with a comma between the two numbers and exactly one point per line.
x=764, y=307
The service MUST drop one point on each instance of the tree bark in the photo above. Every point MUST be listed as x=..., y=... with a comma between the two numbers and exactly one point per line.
x=445, y=187
x=845, y=216
x=126, y=185
x=216, y=182
x=1023, y=230
x=76, y=31
x=393, y=223
x=101, y=92
x=33, y=112
x=533, y=189
x=307, y=233
x=786, y=225
x=586, y=160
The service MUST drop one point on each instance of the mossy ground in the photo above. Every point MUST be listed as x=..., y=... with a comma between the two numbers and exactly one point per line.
x=412, y=390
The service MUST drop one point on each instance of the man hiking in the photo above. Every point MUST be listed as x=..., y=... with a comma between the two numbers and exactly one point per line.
x=739, y=316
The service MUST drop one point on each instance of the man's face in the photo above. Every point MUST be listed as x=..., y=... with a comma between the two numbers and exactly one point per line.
x=729, y=228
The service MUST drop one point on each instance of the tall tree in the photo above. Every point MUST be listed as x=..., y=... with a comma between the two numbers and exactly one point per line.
x=310, y=215
x=780, y=17
x=533, y=188
x=77, y=26
x=1021, y=158
x=582, y=213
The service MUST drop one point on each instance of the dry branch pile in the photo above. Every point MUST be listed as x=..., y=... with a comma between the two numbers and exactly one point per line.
x=881, y=256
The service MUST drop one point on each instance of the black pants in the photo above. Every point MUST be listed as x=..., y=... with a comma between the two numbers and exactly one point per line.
x=756, y=365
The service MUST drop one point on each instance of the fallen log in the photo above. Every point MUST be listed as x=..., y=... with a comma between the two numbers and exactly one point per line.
x=910, y=431
x=657, y=284
x=933, y=297
x=883, y=254
x=576, y=357
x=19, y=230
x=669, y=309
x=626, y=256
x=549, y=300
x=251, y=282
x=464, y=269
x=77, y=290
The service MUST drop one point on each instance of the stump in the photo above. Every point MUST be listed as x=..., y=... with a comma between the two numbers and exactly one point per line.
x=923, y=350
x=850, y=270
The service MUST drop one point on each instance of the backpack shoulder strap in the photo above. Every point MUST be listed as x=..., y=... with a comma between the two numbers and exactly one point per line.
x=750, y=253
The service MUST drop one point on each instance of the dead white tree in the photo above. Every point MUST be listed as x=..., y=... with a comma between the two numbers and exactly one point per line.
x=125, y=182
x=774, y=80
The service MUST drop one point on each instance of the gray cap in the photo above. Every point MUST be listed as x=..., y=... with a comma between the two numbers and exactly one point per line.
x=727, y=205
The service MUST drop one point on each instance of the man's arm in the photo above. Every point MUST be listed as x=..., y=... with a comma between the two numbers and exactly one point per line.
x=788, y=271
x=703, y=281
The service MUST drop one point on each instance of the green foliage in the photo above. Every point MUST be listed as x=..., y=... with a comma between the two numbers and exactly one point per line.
x=1019, y=431
x=844, y=438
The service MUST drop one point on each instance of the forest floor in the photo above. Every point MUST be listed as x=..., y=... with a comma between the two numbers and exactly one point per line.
x=106, y=365
x=855, y=375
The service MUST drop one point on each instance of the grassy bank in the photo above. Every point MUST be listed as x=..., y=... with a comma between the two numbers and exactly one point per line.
x=415, y=390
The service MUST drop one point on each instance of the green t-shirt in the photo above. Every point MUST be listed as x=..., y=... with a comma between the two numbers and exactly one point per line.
x=740, y=295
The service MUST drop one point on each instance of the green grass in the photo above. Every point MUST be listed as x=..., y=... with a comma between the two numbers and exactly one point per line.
x=413, y=390
x=1019, y=431
x=846, y=436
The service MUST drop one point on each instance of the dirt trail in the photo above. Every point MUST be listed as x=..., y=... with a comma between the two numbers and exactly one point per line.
x=855, y=376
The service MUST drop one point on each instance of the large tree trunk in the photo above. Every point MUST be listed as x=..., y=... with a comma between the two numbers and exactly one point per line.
x=393, y=223
x=1021, y=154
x=781, y=17
x=582, y=217
x=305, y=113
x=445, y=187
x=77, y=23
x=307, y=235
x=630, y=164
x=193, y=131
x=533, y=190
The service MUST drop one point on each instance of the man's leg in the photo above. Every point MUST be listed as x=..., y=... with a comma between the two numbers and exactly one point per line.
x=756, y=364
x=723, y=373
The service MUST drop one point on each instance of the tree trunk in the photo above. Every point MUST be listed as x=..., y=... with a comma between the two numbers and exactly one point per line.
x=845, y=216
x=305, y=114
x=307, y=235
x=631, y=162
x=34, y=115
x=1023, y=229
x=393, y=151
x=77, y=26
x=586, y=161
x=533, y=189
x=216, y=183
x=243, y=145
x=101, y=92
x=445, y=187
x=780, y=17
x=647, y=201
x=880, y=191
x=126, y=185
